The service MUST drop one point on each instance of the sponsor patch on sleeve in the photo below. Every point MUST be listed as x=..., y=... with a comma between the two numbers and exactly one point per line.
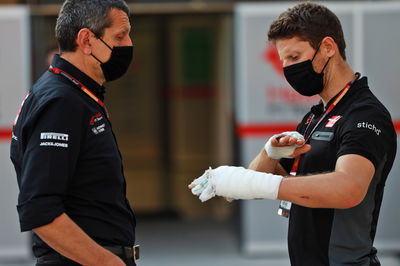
x=369, y=126
x=52, y=139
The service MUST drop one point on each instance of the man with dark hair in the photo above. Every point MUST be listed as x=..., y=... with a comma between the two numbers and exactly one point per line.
x=69, y=168
x=330, y=173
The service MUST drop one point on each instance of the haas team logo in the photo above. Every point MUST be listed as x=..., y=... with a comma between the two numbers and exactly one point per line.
x=332, y=121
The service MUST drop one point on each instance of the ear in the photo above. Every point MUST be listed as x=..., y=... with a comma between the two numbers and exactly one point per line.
x=83, y=41
x=329, y=46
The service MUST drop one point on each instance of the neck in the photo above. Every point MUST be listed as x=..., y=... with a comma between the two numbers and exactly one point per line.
x=82, y=62
x=335, y=79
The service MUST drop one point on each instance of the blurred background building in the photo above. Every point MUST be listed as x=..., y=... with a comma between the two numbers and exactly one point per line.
x=204, y=89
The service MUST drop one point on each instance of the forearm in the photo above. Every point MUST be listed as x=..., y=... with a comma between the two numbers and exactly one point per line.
x=330, y=190
x=262, y=163
x=343, y=188
x=67, y=238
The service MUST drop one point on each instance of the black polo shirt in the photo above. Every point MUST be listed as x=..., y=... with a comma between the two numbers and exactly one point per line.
x=361, y=125
x=67, y=161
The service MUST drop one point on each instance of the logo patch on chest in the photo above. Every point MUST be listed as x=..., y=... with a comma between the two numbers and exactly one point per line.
x=95, y=118
x=98, y=129
x=97, y=124
x=332, y=121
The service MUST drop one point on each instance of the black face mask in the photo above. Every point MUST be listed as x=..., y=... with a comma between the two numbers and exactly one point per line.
x=117, y=65
x=304, y=79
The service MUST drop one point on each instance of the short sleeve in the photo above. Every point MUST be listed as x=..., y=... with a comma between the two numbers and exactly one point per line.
x=365, y=133
x=52, y=142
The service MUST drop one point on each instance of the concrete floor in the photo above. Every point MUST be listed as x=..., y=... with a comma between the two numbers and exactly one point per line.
x=200, y=243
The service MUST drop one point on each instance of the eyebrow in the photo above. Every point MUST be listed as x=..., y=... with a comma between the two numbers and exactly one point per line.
x=291, y=52
x=124, y=30
x=295, y=50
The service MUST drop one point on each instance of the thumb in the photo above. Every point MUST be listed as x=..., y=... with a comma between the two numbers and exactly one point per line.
x=303, y=149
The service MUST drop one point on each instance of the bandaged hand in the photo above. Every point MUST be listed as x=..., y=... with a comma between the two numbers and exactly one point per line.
x=278, y=152
x=236, y=183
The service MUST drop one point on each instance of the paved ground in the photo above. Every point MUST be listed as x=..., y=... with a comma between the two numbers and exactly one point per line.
x=172, y=243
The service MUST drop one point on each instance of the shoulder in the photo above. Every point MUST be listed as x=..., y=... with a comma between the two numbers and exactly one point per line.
x=364, y=102
x=51, y=98
x=367, y=118
x=366, y=107
x=52, y=89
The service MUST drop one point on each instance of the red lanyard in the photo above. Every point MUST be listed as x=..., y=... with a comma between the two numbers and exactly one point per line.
x=81, y=86
x=296, y=162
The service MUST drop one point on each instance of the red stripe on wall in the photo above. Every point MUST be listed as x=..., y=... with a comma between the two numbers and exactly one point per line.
x=262, y=130
x=5, y=134
x=397, y=126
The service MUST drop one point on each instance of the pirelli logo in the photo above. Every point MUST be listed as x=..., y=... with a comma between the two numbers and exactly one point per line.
x=54, y=139
x=54, y=136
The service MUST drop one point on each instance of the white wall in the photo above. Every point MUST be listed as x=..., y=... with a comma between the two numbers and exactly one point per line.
x=14, y=82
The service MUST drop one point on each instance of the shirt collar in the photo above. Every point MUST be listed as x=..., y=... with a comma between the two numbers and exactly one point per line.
x=72, y=70
x=358, y=84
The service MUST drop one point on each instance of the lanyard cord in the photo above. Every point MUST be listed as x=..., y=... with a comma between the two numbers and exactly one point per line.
x=328, y=110
x=81, y=86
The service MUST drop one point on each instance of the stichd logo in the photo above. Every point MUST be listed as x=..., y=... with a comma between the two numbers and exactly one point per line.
x=370, y=127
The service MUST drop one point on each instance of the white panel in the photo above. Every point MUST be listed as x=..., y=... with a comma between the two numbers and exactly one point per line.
x=14, y=82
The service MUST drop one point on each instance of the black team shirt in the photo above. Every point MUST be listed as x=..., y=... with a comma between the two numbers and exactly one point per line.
x=67, y=161
x=359, y=124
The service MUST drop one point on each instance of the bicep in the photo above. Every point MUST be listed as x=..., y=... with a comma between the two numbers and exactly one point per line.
x=47, y=163
x=358, y=170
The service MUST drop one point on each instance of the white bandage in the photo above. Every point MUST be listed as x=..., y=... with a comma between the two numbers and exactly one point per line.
x=285, y=151
x=236, y=183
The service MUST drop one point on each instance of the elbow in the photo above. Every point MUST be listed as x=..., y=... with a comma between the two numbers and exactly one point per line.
x=351, y=203
x=352, y=199
x=351, y=192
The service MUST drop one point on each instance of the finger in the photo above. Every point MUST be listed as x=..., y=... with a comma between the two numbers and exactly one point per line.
x=287, y=141
x=228, y=199
x=275, y=142
x=199, y=180
x=207, y=193
x=284, y=141
x=292, y=141
x=300, y=142
x=301, y=150
x=190, y=186
x=278, y=141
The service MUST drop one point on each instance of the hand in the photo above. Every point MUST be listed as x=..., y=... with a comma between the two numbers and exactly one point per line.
x=191, y=186
x=203, y=187
x=286, y=145
x=113, y=260
x=282, y=140
x=234, y=182
x=107, y=258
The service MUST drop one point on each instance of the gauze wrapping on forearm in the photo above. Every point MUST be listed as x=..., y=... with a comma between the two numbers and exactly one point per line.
x=236, y=183
x=285, y=151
